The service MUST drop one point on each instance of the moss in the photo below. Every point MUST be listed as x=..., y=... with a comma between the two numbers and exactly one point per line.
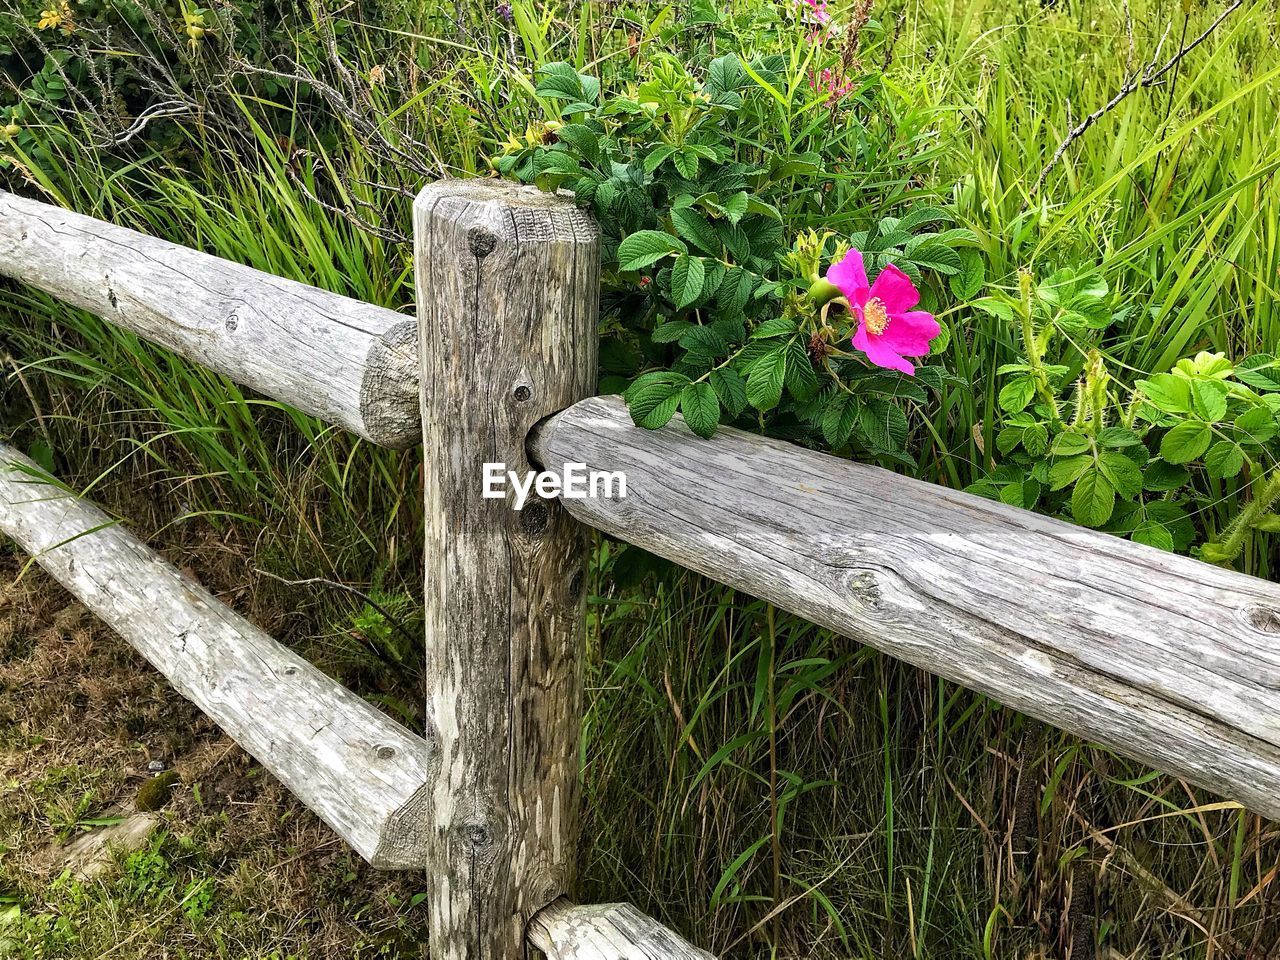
x=155, y=793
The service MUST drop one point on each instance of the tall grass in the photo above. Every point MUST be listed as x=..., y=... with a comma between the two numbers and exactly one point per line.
x=770, y=787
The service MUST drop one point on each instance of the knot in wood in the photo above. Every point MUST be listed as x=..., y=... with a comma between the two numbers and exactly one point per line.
x=233, y=321
x=385, y=753
x=535, y=518
x=481, y=241
x=1263, y=618
x=475, y=834
x=522, y=393
x=866, y=589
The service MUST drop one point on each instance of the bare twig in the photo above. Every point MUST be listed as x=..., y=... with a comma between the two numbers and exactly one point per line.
x=1149, y=76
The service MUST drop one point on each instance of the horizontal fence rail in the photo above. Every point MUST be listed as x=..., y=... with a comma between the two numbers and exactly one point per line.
x=361, y=772
x=1164, y=658
x=347, y=362
x=606, y=931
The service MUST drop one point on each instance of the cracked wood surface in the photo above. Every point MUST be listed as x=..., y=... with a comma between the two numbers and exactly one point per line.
x=347, y=362
x=1163, y=658
x=508, y=285
x=361, y=772
x=606, y=931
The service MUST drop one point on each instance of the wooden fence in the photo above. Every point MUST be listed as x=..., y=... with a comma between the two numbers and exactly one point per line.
x=1163, y=658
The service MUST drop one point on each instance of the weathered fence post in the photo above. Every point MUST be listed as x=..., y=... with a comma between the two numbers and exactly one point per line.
x=508, y=287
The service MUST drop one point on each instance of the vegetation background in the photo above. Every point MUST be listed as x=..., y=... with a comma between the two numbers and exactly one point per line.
x=768, y=788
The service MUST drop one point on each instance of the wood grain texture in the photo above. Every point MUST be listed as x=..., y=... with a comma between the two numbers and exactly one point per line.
x=358, y=770
x=508, y=286
x=344, y=361
x=1165, y=659
x=606, y=931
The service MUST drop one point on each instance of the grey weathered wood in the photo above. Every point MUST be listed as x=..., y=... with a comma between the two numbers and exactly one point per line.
x=361, y=772
x=508, y=281
x=606, y=931
x=347, y=362
x=1163, y=658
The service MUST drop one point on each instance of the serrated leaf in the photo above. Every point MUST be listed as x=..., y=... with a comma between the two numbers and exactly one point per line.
x=1209, y=399
x=1185, y=442
x=1124, y=475
x=883, y=425
x=730, y=388
x=1016, y=394
x=559, y=81
x=687, y=277
x=765, y=380
x=693, y=227
x=1153, y=534
x=644, y=248
x=1257, y=424
x=1224, y=459
x=839, y=419
x=701, y=408
x=1093, y=499
x=1070, y=443
x=686, y=162
x=775, y=327
x=671, y=331
x=802, y=379
x=966, y=283
x=1063, y=473
x=735, y=207
x=936, y=257
x=1161, y=476
x=1260, y=371
x=1167, y=393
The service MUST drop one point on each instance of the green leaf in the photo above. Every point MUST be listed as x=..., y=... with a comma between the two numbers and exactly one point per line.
x=671, y=331
x=559, y=81
x=884, y=425
x=653, y=397
x=765, y=380
x=802, y=379
x=1016, y=394
x=1069, y=443
x=1161, y=476
x=584, y=141
x=1122, y=472
x=1093, y=499
x=730, y=388
x=1185, y=442
x=693, y=226
x=735, y=208
x=1260, y=371
x=936, y=257
x=969, y=280
x=686, y=162
x=1167, y=392
x=1209, y=399
x=1116, y=438
x=687, y=276
x=701, y=408
x=1153, y=534
x=1270, y=523
x=839, y=418
x=776, y=327
x=1224, y=459
x=725, y=73
x=1065, y=472
x=644, y=248
x=1258, y=424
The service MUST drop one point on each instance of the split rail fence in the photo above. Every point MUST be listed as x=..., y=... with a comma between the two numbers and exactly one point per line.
x=1162, y=658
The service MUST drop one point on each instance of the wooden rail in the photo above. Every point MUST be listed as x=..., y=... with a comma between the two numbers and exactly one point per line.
x=356, y=768
x=344, y=361
x=1163, y=658
x=1166, y=659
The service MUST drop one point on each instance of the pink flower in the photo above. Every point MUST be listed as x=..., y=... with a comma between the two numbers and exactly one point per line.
x=888, y=329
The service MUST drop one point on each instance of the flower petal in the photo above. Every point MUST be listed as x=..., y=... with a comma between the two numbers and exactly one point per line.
x=850, y=276
x=895, y=290
x=880, y=353
x=909, y=333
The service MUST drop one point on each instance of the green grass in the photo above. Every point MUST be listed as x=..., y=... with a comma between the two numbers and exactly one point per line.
x=770, y=788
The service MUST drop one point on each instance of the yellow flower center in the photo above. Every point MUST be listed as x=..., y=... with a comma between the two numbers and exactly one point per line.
x=875, y=316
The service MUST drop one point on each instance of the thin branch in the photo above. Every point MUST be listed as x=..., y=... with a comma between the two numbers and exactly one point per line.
x=1148, y=77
